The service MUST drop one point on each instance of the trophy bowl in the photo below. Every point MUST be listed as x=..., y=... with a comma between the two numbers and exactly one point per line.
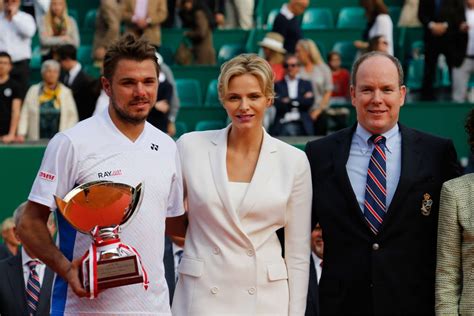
x=100, y=209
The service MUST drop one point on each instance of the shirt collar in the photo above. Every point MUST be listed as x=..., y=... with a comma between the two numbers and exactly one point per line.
x=25, y=258
x=75, y=70
x=176, y=248
x=362, y=136
x=288, y=79
x=286, y=12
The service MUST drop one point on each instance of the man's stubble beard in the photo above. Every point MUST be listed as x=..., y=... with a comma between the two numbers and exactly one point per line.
x=126, y=117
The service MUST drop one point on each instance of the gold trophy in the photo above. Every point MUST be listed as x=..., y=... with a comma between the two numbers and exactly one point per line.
x=101, y=209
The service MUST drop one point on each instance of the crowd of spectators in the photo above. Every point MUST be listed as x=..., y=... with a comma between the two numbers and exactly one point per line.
x=59, y=39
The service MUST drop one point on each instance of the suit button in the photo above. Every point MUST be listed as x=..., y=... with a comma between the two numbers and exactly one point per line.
x=250, y=253
x=375, y=246
x=252, y=291
x=214, y=290
x=216, y=250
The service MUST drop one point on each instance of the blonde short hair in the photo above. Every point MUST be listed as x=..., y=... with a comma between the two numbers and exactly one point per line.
x=310, y=47
x=246, y=64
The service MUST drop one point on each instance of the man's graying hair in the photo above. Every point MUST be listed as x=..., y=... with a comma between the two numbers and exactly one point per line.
x=361, y=59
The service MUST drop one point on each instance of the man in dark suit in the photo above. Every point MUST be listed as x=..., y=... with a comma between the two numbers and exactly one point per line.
x=441, y=20
x=14, y=273
x=294, y=97
x=379, y=249
x=171, y=259
x=315, y=270
x=85, y=89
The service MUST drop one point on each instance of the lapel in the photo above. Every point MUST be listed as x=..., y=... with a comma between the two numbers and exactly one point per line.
x=17, y=284
x=410, y=164
x=217, y=159
x=263, y=172
x=340, y=157
x=45, y=293
x=266, y=167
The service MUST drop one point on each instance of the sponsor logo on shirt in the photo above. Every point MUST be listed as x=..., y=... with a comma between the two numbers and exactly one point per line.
x=47, y=176
x=154, y=147
x=112, y=173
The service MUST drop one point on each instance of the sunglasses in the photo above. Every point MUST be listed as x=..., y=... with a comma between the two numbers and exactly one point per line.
x=290, y=65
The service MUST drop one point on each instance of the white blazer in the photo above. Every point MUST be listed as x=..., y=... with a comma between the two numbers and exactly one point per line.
x=232, y=263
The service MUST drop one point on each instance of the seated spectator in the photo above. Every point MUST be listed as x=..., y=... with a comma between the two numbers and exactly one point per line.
x=272, y=46
x=10, y=241
x=85, y=89
x=378, y=23
x=107, y=28
x=144, y=18
x=48, y=108
x=57, y=28
x=315, y=70
x=10, y=101
x=294, y=97
x=378, y=43
x=340, y=79
x=197, y=17
x=16, y=30
x=287, y=23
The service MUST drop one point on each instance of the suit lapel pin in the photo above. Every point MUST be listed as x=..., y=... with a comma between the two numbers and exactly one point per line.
x=426, y=204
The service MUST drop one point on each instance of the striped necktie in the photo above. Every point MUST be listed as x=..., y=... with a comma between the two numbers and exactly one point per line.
x=376, y=187
x=33, y=288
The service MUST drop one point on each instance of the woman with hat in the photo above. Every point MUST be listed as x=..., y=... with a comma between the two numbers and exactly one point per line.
x=274, y=53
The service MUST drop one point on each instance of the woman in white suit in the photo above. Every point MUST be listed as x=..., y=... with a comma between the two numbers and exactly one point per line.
x=242, y=185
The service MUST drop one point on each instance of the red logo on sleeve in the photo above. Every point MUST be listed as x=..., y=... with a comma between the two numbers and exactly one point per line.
x=47, y=176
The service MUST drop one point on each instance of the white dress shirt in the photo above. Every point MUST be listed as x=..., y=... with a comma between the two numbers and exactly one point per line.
x=25, y=258
x=141, y=8
x=470, y=23
x=359, y=157
x=317, y=265
x=15, y=35
x=73, y=74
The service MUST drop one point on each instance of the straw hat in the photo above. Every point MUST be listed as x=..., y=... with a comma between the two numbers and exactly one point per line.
x=273, y=41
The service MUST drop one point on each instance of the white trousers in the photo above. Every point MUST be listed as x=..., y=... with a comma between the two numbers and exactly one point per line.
x=461, y=77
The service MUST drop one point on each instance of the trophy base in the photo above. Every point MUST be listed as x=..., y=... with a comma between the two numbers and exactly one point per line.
x=115, y=272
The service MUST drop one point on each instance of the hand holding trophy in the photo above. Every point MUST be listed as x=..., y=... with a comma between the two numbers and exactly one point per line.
x=101, y=209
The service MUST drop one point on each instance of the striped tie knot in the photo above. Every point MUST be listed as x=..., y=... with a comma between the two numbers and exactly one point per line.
x=378, y=140
x=32, y=264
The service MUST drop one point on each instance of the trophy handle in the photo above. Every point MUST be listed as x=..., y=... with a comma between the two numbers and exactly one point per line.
x=135, y=204
x=61, y=204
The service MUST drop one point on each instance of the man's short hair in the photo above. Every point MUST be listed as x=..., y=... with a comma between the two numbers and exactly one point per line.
x=128, y=47
x=7, y=55
x=364, y=57
x=67, y=51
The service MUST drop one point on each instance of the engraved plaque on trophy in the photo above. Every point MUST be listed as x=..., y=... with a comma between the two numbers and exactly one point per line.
x=101, y=209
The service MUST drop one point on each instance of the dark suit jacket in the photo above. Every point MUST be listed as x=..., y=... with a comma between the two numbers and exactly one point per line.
x=312, y=300
x=4, y=252
x=85, y=90
x=168, y=261
x=12, y=289
x=281, y=91
x=452, y=12
x=394, y=271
